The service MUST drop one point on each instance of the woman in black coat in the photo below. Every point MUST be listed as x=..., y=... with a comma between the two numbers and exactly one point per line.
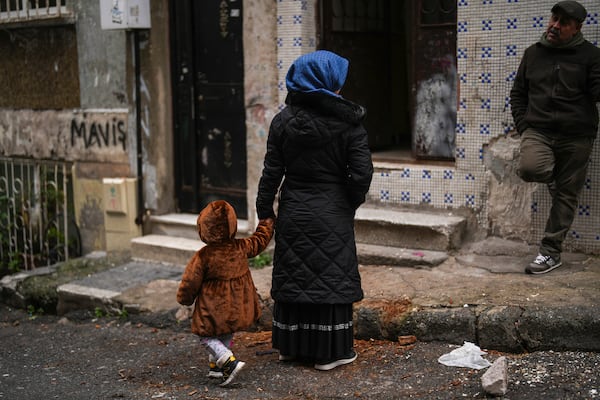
x=318, y=144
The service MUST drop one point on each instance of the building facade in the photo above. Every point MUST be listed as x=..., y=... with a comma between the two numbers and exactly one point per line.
x=180, y=110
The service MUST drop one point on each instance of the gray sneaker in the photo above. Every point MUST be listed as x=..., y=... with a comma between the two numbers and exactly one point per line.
x=543, y=264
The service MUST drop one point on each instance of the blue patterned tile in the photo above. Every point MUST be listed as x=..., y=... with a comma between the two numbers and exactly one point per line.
x=448, y=174
x=426, y=174
x=486, y=52
x=484, y=129
x=470, y=200
x=384, y=194
x=511, y=23
x=461, y=53
x=448, y=198
x=426, y=198
x=538, y=22
x=486, y=25
x=511, y=50
x=405, y=173
x=486, y=104
x=584, y=210
x=405, y=196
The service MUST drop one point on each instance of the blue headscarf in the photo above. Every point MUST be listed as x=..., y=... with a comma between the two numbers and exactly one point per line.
x=318, y=72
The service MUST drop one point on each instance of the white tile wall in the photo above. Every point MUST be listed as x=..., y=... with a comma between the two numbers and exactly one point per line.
x=492, y=35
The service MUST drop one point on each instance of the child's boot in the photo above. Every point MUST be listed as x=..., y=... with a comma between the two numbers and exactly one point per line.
x=230, y=366
x=214, y=371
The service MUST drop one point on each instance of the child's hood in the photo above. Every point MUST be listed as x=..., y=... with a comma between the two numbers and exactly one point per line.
x=217, y=222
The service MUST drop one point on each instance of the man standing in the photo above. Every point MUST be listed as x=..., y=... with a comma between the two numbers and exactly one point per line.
x=553, y=103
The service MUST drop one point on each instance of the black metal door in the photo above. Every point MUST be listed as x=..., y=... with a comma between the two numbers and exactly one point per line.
x=209, y=114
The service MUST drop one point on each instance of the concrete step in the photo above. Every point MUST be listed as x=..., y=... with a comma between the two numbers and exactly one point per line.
x=177, y=250
x=436, y=231
x=183, y=225
x=163, y=248
x=384, y=237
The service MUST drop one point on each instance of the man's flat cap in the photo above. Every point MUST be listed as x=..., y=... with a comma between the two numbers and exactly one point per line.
x=571, y=9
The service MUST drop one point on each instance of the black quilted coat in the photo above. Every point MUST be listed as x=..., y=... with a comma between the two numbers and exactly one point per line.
x=318, y=146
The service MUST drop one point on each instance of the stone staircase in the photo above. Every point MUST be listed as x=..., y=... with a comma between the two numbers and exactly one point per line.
x=384, y=236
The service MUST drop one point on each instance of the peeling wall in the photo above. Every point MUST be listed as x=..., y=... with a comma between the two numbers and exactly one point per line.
x=70, y=135
x=260, y=89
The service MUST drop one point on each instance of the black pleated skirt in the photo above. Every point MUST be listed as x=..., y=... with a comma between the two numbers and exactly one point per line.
x=313, y=332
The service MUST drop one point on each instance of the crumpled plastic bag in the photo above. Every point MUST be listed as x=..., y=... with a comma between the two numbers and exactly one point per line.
x=468, y=356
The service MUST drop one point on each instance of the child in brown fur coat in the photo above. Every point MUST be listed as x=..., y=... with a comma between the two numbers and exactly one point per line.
x=218, y=279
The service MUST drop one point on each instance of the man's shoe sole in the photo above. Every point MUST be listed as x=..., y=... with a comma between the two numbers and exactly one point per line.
x=336, y=363
x=529, y=270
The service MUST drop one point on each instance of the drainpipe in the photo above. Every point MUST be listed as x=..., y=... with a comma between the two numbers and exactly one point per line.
x=139, y=219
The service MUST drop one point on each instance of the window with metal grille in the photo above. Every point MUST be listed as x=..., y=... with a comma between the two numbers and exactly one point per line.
x=23, y=10
x=358, y=15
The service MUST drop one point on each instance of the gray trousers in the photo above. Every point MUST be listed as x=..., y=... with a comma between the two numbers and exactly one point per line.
x=561, y=163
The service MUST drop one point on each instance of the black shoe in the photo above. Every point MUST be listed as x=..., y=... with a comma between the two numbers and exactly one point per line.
x=543, y=264
x=327, y=365
x=231, y=368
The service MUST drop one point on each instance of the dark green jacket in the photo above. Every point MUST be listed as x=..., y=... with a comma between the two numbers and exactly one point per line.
x=556, y=90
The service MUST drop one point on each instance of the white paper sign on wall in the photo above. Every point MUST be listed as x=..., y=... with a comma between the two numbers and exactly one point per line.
x=124, y=14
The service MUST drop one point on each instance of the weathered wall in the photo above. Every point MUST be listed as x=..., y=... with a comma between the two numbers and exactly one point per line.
x=156, y=114
x=38, y=66
x=102, y=60
x=71, y=135
x=509, y=198
x=260, y=87
x=95, y=141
